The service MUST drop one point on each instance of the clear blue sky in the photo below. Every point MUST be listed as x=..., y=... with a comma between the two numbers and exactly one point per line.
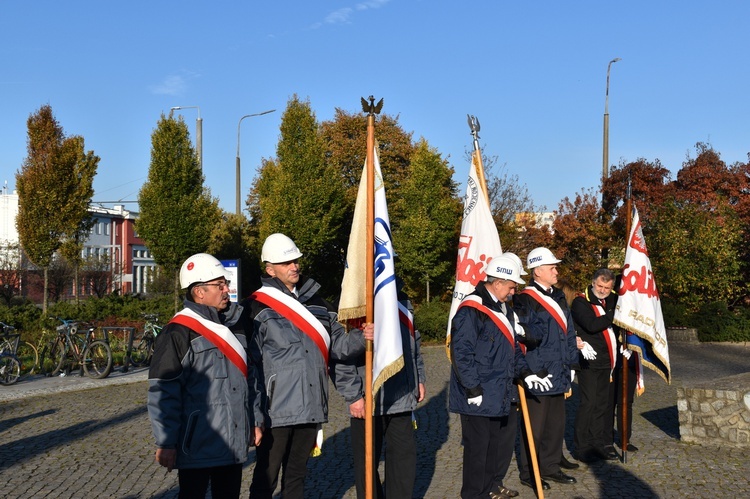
x=534, y=73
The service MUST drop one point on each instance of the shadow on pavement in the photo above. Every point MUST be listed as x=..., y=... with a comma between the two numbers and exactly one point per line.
x=432, y=433
x=10, y=423
x=666, y=419
x=41, y=443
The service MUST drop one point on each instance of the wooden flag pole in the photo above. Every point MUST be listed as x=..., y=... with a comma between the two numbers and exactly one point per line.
x=531, y=446
x=624, y=399
x=371, y=109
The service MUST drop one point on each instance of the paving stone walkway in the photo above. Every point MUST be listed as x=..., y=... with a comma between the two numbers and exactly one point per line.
x=74, y=438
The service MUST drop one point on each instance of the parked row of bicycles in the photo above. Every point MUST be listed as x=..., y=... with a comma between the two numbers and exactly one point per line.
x=74, y=344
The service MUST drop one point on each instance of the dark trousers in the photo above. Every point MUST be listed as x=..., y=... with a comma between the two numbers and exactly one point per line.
x=593, y=429
x=506, y=445
x=288, y=447
x=226, y=481
x=547, y=418
x=400, y=455
x=616, y=400
x=480, y=437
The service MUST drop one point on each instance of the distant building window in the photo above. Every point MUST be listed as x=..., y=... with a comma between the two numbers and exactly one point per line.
x=106, y=229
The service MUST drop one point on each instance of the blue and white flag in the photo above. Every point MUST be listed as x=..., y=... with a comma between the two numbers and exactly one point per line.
x=388, y=356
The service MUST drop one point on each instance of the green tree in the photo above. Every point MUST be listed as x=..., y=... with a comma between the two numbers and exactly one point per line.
x=177, y=214
x=54, y=190
x=426, y=234
x=299, y=195
x=76, y=212
x=695, y=254
x=232, y=239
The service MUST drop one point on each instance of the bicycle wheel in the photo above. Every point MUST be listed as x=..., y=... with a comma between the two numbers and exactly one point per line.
x=97, y=360
x=10, y=369
x=57, y=353
x=28, y=357
x=143, y=347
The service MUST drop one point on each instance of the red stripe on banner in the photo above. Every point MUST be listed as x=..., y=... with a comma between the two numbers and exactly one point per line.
x=215, y=340
x=296, y=319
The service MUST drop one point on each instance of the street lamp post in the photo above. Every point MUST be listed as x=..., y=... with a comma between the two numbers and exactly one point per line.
x=605, y=159
x=198, y=132
x=237, y=162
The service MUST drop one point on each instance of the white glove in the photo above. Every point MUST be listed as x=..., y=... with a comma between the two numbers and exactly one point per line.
x=625, y=352
x=477, y=401
x=588, y=351
x=572, y=375
x=535, y=382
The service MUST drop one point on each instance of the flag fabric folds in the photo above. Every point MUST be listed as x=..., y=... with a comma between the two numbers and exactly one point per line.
x=388, y=356
x=639, y=307
x=479, y=240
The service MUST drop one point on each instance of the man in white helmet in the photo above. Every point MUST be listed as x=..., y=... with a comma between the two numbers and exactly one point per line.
x=295, y=334
x=486, y=358
x=198, y=399
x=550, y=344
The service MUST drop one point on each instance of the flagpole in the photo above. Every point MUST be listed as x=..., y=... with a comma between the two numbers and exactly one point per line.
x=478, y=164
x=530, y=441
x=371, y=109
x=624, y=400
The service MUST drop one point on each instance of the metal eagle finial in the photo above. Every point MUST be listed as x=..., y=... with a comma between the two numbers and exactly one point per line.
x=370, y=107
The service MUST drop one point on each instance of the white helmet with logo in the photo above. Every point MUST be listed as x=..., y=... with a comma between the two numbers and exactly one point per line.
x=200, y=267
x=540, y=256
x=278, y=248
x=504, y=267
x=515, y=258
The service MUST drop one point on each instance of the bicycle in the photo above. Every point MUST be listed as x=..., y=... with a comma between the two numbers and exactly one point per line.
x=26, y=353
x=143, y=343
x=72, y=347
x=10, y=369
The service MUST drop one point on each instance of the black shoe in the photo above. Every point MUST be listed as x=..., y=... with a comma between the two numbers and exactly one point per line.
x=560, y=477
x=588, y=456
x=607, y=453
x=501, y=492
x=532, y=485
x=565, y=464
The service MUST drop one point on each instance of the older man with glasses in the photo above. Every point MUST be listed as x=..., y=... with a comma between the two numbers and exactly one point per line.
x=198, y=396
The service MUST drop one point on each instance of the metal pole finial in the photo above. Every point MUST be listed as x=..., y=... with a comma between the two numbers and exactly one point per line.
x=370, y=107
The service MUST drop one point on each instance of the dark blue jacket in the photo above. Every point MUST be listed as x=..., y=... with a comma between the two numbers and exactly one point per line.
x=483, y=361
x=549, y=347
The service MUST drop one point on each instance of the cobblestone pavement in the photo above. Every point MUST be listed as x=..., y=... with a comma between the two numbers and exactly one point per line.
x=61, y=438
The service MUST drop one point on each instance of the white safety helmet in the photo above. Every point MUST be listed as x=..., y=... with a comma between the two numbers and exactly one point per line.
x=278, y=248
x=504, y=267
x=200, y=267
x=540, y=256
x=516, y=259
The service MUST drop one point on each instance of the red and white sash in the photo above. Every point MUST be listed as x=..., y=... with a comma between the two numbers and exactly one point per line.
x=549, y=305
x=298, y=314
x=406, y=318
x=218, y=334
x=502, y=322
x=609, y=337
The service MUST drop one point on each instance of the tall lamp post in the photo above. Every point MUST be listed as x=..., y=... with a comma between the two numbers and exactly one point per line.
x=605, y=159
x=237, y=162
x=198, y=131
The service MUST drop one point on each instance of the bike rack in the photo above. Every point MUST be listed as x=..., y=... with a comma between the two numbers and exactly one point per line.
x=129, y=349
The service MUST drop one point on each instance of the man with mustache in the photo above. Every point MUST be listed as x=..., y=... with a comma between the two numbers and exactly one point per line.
x=198, y=393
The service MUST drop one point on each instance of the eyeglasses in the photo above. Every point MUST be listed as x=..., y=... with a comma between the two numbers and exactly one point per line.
x=220, y=285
